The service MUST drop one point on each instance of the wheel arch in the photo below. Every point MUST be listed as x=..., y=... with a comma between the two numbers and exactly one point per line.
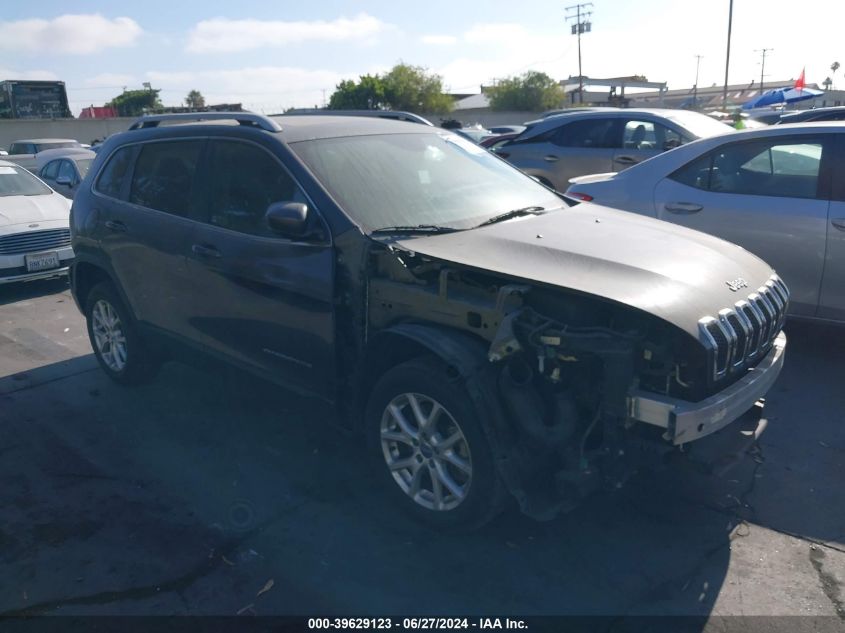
x=84, y=276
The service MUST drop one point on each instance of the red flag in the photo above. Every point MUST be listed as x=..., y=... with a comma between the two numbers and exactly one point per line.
x=799, y=83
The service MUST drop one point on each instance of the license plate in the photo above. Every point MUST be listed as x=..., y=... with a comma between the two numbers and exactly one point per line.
x=41, y=261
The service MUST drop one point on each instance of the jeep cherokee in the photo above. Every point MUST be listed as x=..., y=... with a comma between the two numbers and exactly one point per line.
x=489, y=341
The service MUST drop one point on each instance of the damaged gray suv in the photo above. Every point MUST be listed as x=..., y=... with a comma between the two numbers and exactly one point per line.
x=489, y=342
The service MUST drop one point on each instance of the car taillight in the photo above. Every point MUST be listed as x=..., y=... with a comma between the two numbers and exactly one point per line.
x=583, y=197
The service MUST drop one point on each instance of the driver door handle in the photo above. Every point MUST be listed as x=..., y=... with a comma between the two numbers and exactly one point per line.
x=626, y=160
x=550, y=158
x=683, y=207
x=204, y=250
x=116, y=226
x=839, y=223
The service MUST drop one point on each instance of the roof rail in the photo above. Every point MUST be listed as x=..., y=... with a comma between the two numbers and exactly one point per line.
x=243, y=118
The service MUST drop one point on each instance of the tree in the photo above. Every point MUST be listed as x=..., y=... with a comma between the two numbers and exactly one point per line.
x=414, y=89
x=367, y=94
x=405, y=87
x=195, y=99
x=135, y=102
x=533, y=91
x=827, y=83
x=833, y=67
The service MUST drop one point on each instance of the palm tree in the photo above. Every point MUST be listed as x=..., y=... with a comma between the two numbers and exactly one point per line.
x=195, y=99
x=834, y=67
x=827, y=83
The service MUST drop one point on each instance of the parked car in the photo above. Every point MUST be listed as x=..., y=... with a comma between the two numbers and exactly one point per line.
x=34, y=231
x=64, y=169
x=816, y=114
x=564, y=146
x=486, y=339
x=23, y=152
x=773, y=191
x=474, y=134
x=497, y=140
x=397, y=115
x=507, y=129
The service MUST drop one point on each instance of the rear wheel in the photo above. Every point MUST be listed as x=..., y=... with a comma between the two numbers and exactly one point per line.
x=117, y=344
x=429, y=449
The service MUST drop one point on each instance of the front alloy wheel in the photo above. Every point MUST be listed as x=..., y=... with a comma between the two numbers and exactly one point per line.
x=428, y=447
x=426, y=452
x=109, y=337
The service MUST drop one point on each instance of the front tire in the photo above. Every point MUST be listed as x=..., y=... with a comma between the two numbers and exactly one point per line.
x=117, y=344
x=429, y=450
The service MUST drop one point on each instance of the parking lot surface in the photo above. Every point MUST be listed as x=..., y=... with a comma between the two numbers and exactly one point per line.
x=211, y=492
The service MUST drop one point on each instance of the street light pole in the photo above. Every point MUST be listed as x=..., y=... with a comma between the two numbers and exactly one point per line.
x=728, y=55
x=695, y=85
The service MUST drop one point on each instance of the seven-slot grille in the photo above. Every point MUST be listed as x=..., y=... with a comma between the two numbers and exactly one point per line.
x=34, y=241
x=744, y=333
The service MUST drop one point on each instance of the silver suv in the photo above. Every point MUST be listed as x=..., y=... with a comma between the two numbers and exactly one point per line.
x=565, y=146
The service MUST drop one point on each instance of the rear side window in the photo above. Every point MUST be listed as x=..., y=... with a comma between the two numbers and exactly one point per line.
x=589, y=133
x=164, y=175
x=111, y=179
x=22, y=148
x=51, y=169
x=783, y=168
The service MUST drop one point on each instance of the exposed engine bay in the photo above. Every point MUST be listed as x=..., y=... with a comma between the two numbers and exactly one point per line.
x=562, y=365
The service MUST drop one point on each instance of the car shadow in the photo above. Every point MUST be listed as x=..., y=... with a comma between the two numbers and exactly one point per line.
x=272, y=472
x=23, y=290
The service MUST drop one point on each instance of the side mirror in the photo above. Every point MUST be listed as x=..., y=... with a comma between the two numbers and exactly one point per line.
x=672, y=144
x=288, y=218
x=63, y=180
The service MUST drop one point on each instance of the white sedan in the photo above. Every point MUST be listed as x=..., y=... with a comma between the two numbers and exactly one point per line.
x=34, y=227
x=776, y=191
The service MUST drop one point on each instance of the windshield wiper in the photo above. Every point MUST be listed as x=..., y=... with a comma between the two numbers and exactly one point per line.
x=418, y=228
x=513, y=213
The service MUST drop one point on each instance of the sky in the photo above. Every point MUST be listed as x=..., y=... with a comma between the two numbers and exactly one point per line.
x=274, y=55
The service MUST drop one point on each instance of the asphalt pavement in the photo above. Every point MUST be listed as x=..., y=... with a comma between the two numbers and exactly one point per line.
x=212, y=492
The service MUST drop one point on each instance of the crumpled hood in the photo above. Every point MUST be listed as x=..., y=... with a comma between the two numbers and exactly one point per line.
x=672, y=272
x=28, y=209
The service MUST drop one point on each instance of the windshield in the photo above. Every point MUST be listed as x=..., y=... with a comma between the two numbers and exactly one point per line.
x=40, y=147
x=437, y=179
x=16, y=181
x=701, y=125
x=83, y=165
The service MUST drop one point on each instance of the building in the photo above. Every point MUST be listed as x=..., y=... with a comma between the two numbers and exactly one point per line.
x=24, y=99
x=710, y=97
x=98, y=112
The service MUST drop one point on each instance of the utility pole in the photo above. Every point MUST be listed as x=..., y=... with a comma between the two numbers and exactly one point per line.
x=763, y=64
x=579, y=27
x=695, y=85
x=728, y=54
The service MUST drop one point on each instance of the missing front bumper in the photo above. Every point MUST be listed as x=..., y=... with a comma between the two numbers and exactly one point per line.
x=689, y=421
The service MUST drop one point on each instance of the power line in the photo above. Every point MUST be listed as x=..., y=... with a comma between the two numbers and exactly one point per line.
x=579, y=27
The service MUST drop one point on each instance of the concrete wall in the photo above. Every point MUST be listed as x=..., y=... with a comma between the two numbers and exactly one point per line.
x=83, y=130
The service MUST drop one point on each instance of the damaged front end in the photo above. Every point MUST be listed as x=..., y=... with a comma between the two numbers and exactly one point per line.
x=557, y=377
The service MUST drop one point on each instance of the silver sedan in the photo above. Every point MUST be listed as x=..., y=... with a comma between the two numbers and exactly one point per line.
x=776, y=191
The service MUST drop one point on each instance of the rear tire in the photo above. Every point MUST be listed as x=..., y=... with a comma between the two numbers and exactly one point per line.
x=114, y=336
x=429, y=450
